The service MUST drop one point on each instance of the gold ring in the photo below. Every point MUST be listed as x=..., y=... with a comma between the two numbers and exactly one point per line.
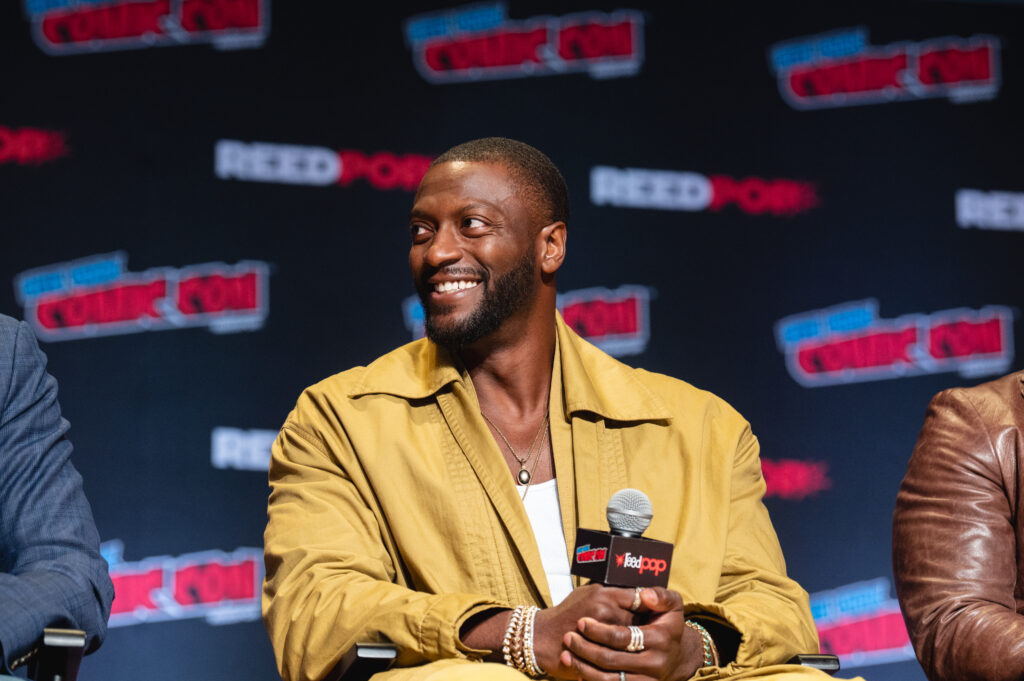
x=635, y=605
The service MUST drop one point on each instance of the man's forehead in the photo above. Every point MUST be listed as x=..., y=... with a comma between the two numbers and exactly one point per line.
x=485, y=181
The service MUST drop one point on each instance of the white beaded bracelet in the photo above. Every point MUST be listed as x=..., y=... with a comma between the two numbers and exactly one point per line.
x=532, y=668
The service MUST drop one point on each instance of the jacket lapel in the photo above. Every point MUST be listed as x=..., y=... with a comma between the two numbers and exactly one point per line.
x=421, y=370
x=602, y=396
x=462, y=413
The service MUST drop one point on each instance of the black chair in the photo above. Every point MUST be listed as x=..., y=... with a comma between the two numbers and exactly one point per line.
x=58, y=655
x=363, y=660
x=826, y=663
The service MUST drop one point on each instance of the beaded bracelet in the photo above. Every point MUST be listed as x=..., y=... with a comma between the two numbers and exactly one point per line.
x=708, y=645
x=532, y=668
x=510, y=634
x=517, y=646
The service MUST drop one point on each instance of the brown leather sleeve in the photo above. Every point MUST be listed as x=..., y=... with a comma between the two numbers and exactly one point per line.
x=954, y=548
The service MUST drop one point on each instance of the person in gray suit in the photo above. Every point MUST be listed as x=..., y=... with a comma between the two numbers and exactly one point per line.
x=51, y=571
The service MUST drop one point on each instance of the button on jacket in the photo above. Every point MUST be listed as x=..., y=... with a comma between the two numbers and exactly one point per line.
x=957, y=534
x=393, y=514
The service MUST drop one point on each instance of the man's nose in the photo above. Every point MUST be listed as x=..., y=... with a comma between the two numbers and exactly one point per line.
x=444, y=248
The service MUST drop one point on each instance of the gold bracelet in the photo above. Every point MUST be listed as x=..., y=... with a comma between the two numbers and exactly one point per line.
x=517, y=646
x=518, y=654
x=708, y=645
x=510, y=633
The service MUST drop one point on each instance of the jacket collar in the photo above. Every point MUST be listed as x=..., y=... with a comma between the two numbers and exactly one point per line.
x=414, y=371
x=422, y=368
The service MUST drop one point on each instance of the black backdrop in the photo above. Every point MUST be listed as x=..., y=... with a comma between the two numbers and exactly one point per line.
x=108, y=160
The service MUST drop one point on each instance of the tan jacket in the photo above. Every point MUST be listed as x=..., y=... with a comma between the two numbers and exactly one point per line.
x=958, y=530
x=393, y=515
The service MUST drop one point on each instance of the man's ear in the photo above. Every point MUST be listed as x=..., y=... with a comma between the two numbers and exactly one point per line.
x=552, y=238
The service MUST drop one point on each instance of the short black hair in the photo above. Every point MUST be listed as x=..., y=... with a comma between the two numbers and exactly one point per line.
x=530, y=166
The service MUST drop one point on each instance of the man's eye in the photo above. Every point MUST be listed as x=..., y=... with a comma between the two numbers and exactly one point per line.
x=473, y=222
x=418, y=232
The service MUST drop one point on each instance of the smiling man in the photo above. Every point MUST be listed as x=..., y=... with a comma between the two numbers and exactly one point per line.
x=430, y=499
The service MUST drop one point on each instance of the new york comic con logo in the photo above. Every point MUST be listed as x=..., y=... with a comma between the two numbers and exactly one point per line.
x=585, y=554
x=861, y=623
x=221, y=587
x=849, y=343
x=841, y=69
x=76, y=26
x=480, y=42
x=97, y=296
x=617, y=321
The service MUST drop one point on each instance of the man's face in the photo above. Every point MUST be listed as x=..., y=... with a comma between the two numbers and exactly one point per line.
x=472, y=255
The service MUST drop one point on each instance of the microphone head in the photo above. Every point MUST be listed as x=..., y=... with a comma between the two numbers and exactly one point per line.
x=629, y=512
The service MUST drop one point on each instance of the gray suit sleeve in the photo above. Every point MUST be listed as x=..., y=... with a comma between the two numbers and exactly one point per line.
x=51, y=571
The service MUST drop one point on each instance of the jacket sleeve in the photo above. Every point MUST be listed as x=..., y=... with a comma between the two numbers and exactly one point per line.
x=51, y=571
x=770, y=612
x=955, y=550
x=331, y=576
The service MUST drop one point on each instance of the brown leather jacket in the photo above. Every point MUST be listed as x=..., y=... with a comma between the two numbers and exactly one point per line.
x=957, y=535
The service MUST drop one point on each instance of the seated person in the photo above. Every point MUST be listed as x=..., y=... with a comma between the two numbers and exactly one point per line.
x=428, y=498
x=51, y=571
x=957, y=534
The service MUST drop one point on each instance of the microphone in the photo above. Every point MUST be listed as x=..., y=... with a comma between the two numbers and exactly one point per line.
x=629, y=513
x=622, y=557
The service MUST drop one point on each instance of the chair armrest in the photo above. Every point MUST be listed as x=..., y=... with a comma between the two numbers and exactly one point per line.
x=59, y=656
x=362, y=661
x=826, y=663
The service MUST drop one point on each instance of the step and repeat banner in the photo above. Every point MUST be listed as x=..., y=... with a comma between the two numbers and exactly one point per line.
x=816, y=214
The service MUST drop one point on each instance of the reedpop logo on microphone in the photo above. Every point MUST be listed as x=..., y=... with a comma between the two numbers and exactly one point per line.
x=641, y=563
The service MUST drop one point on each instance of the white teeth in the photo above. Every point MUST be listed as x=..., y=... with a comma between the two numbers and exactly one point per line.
x=449, y=286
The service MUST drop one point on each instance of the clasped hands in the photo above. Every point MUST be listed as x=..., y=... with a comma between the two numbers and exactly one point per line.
x=586, y=636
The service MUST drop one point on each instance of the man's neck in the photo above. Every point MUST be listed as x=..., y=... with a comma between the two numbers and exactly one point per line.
x=512, y=380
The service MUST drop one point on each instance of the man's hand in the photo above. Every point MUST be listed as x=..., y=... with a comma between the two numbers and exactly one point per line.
x=594, y=602
x=596, y=651
x=599, y=603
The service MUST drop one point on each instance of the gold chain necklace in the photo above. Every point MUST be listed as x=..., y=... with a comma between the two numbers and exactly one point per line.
x=524, y=475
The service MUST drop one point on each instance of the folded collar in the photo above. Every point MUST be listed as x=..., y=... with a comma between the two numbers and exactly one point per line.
x=592, y=381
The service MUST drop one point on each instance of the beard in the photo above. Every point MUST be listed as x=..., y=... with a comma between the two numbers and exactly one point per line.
x=502, y=297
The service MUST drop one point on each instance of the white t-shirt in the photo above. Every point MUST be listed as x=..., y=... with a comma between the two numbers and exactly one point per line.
x=546, y=518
